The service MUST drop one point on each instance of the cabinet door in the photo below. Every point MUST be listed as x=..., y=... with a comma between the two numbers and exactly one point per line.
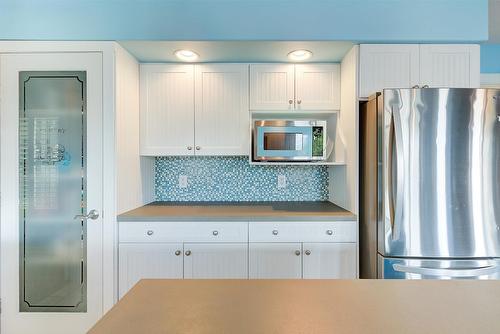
x=221, y=109
x=317, y=87
x=272, y=87
x=275, y=260
x=141, y=260
x=387, y=66
x=167, y=109
x=330, y=260
x=450, y=65
x=216, y=260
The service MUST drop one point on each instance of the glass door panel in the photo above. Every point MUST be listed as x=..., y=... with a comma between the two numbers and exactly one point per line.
x=52, y=176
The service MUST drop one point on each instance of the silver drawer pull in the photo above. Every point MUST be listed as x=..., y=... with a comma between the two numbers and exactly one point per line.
x=308, y=252
x=329, y=232
x=215, y=233
x=188, y=253
x=150, y=232
x=297, y=252
x=275, y=232
x=177, y=252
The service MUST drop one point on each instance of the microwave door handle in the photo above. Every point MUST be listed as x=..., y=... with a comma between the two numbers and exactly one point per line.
x=450, y=272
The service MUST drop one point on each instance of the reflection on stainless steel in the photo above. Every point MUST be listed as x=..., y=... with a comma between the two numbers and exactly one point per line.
x=52, y=180
x=439, y=164
x=439, y=269
x=289, y=140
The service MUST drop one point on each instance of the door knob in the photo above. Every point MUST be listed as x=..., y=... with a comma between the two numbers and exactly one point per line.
x=299, y=101
x=297, y=252
x=290, y=101
x=93, y=214
x=188, y=253
x=190, y=148
x=177, y=252
x=308, y=252
x=198, y=148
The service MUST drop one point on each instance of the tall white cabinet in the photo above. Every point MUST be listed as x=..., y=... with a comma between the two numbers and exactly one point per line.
x=194, y=109
x=406, y=65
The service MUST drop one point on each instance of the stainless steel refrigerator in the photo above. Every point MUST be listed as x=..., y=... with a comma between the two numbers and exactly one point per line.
x=430, y=184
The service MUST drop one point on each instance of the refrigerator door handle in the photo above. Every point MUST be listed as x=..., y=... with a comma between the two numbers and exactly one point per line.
x=396, y=139
x=450, y=272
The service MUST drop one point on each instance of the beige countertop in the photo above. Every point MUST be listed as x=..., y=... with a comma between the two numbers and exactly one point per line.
x=305, y=307
x=244, y=211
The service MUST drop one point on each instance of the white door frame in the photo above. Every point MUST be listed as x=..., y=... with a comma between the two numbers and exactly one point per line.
x=108, y=214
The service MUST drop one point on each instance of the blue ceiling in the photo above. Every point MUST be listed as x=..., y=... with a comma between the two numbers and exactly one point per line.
x=348, y=20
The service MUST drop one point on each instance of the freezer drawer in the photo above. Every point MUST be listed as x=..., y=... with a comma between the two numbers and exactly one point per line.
x=398, y=268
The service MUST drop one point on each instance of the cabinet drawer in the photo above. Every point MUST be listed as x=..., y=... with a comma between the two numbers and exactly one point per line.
x=302, y=232
x=183, y=231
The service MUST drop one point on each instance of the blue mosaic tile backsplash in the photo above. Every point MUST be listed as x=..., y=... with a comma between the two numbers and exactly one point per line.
x=234, y=179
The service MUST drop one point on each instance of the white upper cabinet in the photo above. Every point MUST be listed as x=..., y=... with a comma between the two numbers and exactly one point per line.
x=406, y=65
x=450, y=65
x=221, y=109
x=194, y=109
x=387, y=66
x=216, y=260
x=317, y=87
x=307, y=87
x=167, y=109
x=272, y=87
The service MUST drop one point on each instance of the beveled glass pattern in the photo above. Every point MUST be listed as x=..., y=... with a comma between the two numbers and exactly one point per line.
x=52, y=190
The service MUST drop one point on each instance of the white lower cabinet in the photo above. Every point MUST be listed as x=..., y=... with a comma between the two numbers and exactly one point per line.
x=329, y=260
x=239, y=250
x=216, y=260
x=143, y=260
x=275, y=260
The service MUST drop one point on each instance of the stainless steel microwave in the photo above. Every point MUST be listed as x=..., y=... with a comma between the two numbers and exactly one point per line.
x=289, y=140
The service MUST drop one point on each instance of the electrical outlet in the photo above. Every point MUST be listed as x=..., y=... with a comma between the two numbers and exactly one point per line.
x=183, y=181
x=281, y=181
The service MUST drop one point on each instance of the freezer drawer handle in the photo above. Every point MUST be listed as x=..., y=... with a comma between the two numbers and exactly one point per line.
x=462, y=272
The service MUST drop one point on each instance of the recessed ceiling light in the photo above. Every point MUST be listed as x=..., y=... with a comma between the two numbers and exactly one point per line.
x=186, y=55
x=300, y=55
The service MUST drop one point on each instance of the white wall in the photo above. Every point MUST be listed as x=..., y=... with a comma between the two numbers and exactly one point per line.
x=490, y=80
x=135, y=174
x=344, y=179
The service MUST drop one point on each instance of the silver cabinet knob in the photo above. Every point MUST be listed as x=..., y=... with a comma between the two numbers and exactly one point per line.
x=93, y=214
x=177, y=252
x=329, y=232
x=297, y=252
x=188, y=253
x=150, y=232
x=307, y=252
x=190, y=148
x=198, y=148
x=299, y=101
x=290, y=101
x=275, y=232
x=216, y=233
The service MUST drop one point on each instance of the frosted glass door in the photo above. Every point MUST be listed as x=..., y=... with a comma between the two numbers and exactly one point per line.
x=53, y=188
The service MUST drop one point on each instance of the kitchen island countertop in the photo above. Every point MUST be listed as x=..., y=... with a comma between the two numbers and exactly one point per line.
x=306, y=307
x=238, y=211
